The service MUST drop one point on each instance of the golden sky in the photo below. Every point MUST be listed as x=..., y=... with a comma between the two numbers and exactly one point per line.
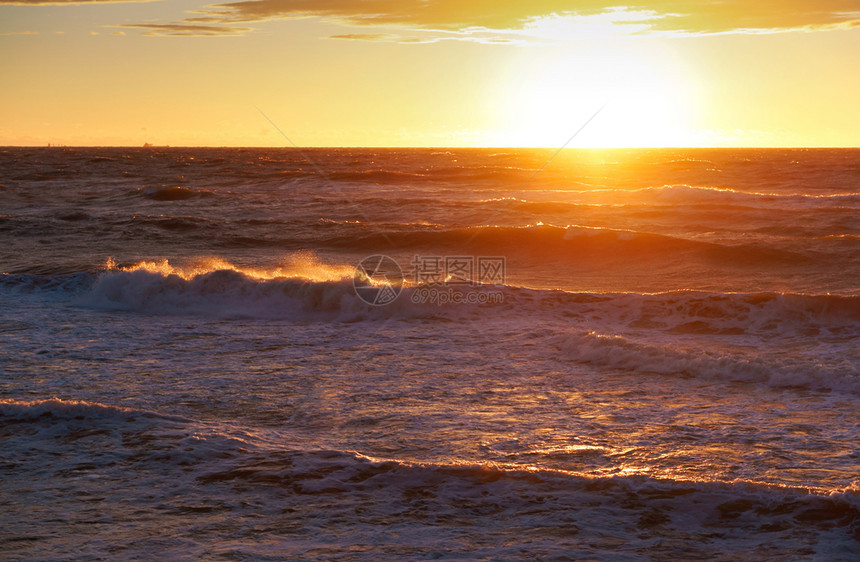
x=430, y=72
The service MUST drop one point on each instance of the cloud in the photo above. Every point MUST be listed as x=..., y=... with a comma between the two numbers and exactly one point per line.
x=687, y=16
x=186, y=30
x=28, y=32
x=481, y=37
x=509, y=21
x=367, y=37
x=65, y=2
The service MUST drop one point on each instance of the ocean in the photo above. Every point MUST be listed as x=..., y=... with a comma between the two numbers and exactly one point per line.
x=409, y=354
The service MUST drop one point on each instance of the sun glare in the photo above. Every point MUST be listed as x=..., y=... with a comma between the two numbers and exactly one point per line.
x=647, y=97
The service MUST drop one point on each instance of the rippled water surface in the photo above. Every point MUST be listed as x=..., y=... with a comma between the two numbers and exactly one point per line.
x=666, y=366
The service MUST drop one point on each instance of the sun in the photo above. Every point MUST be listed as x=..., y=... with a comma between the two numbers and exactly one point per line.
x=647, y=97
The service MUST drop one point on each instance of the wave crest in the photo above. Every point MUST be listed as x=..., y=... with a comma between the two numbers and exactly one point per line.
x=57, y=409
x=778, y=370
x=171, y=193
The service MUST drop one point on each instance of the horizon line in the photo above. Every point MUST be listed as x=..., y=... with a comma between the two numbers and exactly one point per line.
x=441, y=147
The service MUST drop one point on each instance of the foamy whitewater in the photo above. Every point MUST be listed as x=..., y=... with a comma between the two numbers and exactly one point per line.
x=666, y=366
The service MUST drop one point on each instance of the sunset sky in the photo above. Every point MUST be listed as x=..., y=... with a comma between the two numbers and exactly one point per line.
x=430, y=72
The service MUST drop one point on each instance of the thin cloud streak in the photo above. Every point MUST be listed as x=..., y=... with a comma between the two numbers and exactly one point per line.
x=68, y=2
x=186, y=30
x=386, y=37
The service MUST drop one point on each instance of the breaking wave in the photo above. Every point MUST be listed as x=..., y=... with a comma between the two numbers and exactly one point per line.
x=190, y=479
x=303, y=285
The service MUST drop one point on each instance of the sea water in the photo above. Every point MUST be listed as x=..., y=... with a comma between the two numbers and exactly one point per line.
x=611, y=354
